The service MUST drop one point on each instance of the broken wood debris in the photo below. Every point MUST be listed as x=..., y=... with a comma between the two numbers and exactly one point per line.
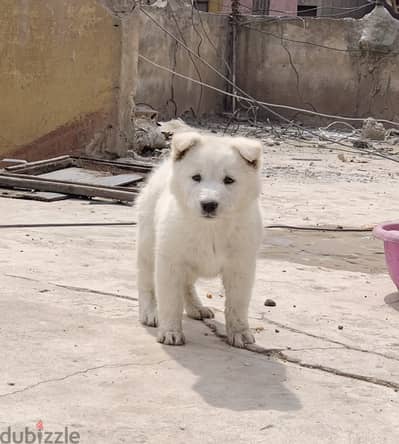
x=67, y=176
x=83, y=175
x=41, y=196
x=58, y=186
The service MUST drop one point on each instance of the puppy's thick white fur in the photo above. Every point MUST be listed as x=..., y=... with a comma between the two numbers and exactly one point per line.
x=178, y=241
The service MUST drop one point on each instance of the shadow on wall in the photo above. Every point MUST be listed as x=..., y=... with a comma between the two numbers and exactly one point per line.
x=231, y=378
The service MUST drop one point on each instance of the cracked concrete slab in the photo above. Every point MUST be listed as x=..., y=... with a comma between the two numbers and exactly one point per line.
x=74, y=354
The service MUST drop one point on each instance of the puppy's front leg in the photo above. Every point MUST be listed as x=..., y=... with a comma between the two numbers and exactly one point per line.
x=238, y=281
x=169, y=290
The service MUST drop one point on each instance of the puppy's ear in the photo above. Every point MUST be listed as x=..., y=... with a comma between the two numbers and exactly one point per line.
x=250, y=150
x=182, y=142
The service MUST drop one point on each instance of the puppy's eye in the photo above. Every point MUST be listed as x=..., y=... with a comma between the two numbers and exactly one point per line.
x=197, y=178
x=228, y=180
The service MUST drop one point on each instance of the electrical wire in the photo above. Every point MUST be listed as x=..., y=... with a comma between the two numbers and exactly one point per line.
x=71, y=225
x=131, y=224
x=316, y=8
x=209, y=39
x=191, y=58
x=364, y=151
x=252, y=99
x=235, y=87
x=302, y=42
x=320, y=8
x=331, y=229
x=249, y=98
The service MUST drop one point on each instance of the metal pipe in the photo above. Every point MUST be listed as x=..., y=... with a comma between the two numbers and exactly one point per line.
x=235, y=13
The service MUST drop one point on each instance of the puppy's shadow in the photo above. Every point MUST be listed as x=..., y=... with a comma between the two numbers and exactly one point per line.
x=231, y=378
x=392, y=300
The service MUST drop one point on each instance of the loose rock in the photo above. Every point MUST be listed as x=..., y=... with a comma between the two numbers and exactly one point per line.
x=373, y=130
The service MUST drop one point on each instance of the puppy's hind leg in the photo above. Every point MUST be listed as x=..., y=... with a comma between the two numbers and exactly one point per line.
x=193, y=305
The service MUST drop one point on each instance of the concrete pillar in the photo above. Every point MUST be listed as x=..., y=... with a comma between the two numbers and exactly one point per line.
x=128, y=15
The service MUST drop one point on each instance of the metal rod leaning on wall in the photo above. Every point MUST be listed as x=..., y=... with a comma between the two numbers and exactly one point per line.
x=235, y=16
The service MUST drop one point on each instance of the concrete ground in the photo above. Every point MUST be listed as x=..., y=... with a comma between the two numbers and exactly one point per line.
x=73, y=353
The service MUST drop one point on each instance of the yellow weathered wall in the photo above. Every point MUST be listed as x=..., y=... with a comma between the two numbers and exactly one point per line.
x=59, y=72
x=215, y=5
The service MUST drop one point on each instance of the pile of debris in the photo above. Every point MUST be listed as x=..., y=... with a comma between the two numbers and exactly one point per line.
x=67, y=176
x=150, y=141
x=121, y=179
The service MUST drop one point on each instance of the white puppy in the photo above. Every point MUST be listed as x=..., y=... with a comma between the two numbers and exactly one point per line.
x=199, y=216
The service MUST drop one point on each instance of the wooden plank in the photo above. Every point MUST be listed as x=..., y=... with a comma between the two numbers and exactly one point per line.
x=41, y=166
x=76, y=189
x=57, y=163
x=120, y=179
x=49, y=197
x=107, y=165
x=82, y=175
x=133, y=163
x=73, y=174
x=33, y=195
x=37, y=162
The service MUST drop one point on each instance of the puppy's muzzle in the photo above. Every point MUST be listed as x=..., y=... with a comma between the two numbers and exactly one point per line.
x=209, y=208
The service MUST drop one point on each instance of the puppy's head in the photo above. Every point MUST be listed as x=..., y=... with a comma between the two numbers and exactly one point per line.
x=213, y=176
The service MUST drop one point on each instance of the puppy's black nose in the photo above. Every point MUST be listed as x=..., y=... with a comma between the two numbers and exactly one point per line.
x=209, y=207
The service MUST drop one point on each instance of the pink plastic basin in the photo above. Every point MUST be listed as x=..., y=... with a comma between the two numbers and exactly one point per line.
x=389, y=233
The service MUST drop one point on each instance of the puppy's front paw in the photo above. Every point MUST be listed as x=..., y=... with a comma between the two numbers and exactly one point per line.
x=199, y=312
x=149, y=317
x=171, y=337
x=240, y=339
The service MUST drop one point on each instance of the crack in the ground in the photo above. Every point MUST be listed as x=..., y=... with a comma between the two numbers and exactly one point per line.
x=314, y=348
x=322, y=338
x=89, y=290
x=325, y=339
x=280, y=355
x=81, y=372
x=337, y=372
x=74, y=288
x=21, y=277
x=274, y=353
